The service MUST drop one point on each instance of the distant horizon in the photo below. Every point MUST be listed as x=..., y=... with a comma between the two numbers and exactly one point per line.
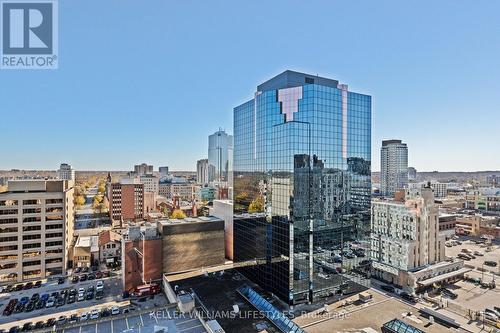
x=76, y=170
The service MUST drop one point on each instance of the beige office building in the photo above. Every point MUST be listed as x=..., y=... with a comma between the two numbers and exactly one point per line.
x=405, y=236
x=36, y=229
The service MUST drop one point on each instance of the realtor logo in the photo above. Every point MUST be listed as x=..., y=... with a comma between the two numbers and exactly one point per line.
x=29, y=34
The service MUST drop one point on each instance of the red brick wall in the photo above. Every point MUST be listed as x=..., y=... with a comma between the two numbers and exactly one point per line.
x=128, y=202
x=132, y=270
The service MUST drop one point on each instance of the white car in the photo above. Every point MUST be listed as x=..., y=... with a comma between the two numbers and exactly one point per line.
x=50, y=302
x=99, y=286
x=477, y=253
x=95, y=314
x=81, y=290
x=81, y=297
x=115, y=310
x=84, y=316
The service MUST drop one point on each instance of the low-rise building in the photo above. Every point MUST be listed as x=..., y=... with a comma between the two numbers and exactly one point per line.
x=484, y=199
x=86, y=251
x=141, y=256
x=109, y=247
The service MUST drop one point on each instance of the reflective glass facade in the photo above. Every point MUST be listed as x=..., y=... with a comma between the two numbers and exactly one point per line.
x=302, y=187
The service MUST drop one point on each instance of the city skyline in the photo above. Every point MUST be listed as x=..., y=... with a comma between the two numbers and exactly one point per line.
x=175, y=98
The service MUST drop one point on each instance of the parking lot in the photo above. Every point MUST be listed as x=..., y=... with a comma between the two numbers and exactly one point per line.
x=487, y=255
x=64, y=304
x=143, y=322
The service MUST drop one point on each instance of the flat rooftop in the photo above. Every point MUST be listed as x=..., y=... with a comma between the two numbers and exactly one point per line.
x=200, y=219
x=289, y=79
x=218, y=293
x=372, y=315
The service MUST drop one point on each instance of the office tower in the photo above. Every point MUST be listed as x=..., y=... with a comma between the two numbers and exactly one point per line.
x=66, y=172
x=394, y=166
x=37, y=229
x=126, y=200
x=412, y=174
x=151, y=183
x=302, y=185
x=204, y=171
x=143, y=169
x=405, y=236
x=220, y=152
x=163, y=171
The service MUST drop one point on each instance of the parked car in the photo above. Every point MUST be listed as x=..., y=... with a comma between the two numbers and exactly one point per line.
x=71, y=299
x=60, y=302
x=28, y=285
x=50, y=302
x=14, y=329
x=38, y=325
x=44, y=297
x=38, y=284
x=89, y=295
x=73, y=318
x=40, y=304
x=27, y=327
x=115, y=310
x=478, y=253
x=84, y=316
x=105, y=312
x=83, y=277
x=95, y=314
x=75, y=279
x=99, y=285
x=61, y=320
x=491, y=263
x=24, y=300
x=81, y=297
x=91, y=276
x=50, y=322
x=77, y=270
x=31, y=306
x=19, y=287
x=490, y=316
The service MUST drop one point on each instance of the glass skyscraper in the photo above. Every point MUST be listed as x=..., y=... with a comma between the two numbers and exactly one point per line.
x=302, y=182
x=220, y=156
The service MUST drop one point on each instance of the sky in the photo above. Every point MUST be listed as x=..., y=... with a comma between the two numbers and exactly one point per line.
x=148, y=81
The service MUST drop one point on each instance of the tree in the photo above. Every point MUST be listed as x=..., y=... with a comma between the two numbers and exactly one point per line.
x=256, y=206
x=178, y=214
x=79, y=200
x=101, y=188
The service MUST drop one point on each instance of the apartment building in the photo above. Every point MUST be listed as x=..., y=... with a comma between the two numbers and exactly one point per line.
x=36, y=229
x=126, y=200
x=393, y=166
